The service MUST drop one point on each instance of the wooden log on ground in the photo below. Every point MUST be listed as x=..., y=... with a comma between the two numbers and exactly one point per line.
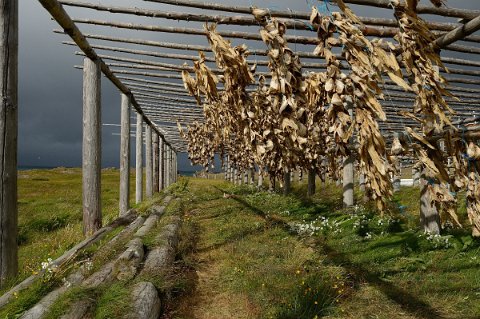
x=8, y=141
x=146, y=302
x=91, y=161
x=124, y=204
x=69, y=255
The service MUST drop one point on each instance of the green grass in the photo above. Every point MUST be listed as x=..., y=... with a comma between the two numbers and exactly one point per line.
x=386, y=267
x=50, y=222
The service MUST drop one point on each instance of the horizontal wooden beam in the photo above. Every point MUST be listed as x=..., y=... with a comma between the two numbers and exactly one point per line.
x=446, y=12
x=63, y=19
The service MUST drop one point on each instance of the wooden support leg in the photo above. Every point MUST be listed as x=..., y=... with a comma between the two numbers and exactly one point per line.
x=348, y=181
x=148, y=162
x=124, y=204
x=311, y=182
x=139, y=161
x=8, y=142
x=286, y=182
x=91, y=167
x=161, y=163
x=155, y=167
x=429, y=217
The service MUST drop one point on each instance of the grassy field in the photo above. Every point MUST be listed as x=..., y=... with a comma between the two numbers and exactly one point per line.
x=50, y=212
x=263, y=255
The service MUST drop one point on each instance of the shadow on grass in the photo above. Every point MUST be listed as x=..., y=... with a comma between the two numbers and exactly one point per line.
x=404, y=299
x=407, y=301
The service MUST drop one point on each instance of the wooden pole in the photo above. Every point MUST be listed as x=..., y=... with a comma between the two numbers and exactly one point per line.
x=416, y=175
x=161, y=165
x=124, y=155
x=311, y=182
x=8, y=142
x=148, y=162
x=139, y=161
x=252, y=176
x=429, y=217
x=167, y=166
x=91, y=163
x=260, y=178
x=348, y=163
x=286, y=182
x=155, y=163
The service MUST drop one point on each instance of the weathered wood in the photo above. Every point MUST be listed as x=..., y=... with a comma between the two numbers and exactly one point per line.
x=301, y=54
x=290, y=23
x=397, y=179
x=459, y=33
x=124, y=204
x=155, y=147
x=139, y=160
x=91, y=163
x=148, y=162
x=146, y=301
x=311, y=182
x=416, y=176
x=63, y=19
x=260, y=178
x=8, y=141
x=161, y=165
x=252, y=176
x=429, y=217
x=286, y=182
x=274, y=12
x=69, y=255
x=348, y=180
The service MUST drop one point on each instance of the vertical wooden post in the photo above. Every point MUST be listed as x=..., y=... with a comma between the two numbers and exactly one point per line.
x=174, y=169
x=124, y=155
x=286, y=182
x=361, y=182
x=167, y=166
x=271, y=185
x=416, y=175
x=155, y=149
x=161, y=163
x=311, y=182
x=245, y=177
x=429, y=217
x=252, y=176
x=8, y=141
x=348, y=163
x=148, y=162
x=227, y=168
x=139, y=161
x=91, y=163
x=348, y=181
x=397, y=178
x=260, y=178
x=300, y=175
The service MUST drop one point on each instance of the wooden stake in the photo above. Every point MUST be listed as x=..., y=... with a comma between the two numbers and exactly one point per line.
x=311, y=182
x=91, y=167
x=139, y=161
x=124, y=155
x=148, y=162
x=8, y=141
x=429, y=217
x=155, y=158
x=286, y=182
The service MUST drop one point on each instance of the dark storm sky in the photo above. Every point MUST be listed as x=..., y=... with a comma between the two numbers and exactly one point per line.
x=50, y=100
